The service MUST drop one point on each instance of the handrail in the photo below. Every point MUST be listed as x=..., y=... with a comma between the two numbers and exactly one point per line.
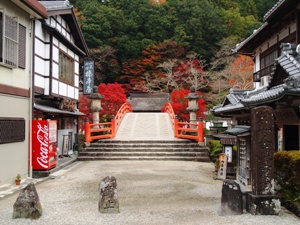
x=186, y=130
x=107, y=129
x=169, y=109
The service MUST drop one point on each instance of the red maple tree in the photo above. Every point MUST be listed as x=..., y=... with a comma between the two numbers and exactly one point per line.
x=179, y=103
x=113, y=97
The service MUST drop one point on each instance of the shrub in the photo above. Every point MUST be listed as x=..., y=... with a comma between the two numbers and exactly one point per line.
x=215, y=148
x=287, y=176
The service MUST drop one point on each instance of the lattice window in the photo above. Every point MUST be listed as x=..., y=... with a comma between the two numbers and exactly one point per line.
x=9, y=40
x=66, y=69
x=12, y=130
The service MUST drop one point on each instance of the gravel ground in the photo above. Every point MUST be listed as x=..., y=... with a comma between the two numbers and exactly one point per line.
x=150, y=192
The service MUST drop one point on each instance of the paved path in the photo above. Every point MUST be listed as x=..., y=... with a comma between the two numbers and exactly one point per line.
x=145, y=126
x=150, y=193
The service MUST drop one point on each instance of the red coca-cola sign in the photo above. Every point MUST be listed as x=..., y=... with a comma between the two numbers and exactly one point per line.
x=41, y=144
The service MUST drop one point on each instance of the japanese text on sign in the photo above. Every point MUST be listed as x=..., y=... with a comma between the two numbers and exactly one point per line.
x=88, y=77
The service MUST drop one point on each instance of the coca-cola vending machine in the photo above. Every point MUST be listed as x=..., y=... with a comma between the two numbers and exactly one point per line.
x=44, y=144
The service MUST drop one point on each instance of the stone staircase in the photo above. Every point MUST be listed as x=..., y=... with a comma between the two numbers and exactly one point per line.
x=145, y=136
x=144, y=150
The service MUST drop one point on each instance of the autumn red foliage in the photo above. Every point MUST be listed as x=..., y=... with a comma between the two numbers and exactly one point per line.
x=113, y=97
x=179, y=103
x=137, y=72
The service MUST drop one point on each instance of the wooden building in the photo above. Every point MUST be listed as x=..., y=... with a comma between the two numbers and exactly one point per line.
x=272, y=107
x=58, y=46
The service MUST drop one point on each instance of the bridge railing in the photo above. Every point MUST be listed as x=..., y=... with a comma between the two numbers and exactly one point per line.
x=107, y=129
x=186, y=130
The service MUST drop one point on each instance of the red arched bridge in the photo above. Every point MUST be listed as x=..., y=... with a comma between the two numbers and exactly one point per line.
x=148, y=136
x=108, y=130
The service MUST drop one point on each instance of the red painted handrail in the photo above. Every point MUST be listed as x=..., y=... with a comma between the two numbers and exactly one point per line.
x=108, y=129
x=186, y=130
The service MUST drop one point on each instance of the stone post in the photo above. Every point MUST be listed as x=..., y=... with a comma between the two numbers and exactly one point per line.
x=95, y=105
x=262, y=200
x=193, y=105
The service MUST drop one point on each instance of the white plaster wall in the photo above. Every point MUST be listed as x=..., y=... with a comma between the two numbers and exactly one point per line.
x=39, y=81
x=76, y=81
x=47, y=86
x=71, y=93
x=62, y=88
x=55, y=70
x=14, y=156
x=55, y=86
x=76, y=94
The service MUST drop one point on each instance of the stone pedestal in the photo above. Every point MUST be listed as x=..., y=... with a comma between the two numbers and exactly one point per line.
x=263, y=204
x=231, y=201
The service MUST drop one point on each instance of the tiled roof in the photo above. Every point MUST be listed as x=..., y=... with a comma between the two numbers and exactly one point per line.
x=265, y=96
x=231, y=102
x=56, y=5
x=238, y=130
x=289, y=61
x=276, y=6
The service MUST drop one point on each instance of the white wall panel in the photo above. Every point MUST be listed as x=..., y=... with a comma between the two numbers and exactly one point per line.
x=55, y=41
x=76, y=95
x=55, y=70
x=46, y=90
x=63, y=47
x=257, y=63
x=39, y=48
x=55, y=53
x=38, y=29
x=62, y=89
x=41, y=66
x=55, y=86
x=76, y=81
x=39, y=81
x=76, y=67
x=71, y=93
x=71, y=53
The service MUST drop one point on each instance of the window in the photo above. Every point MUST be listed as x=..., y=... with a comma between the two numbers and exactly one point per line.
x=22, y=46
x=66, y=68
x=9, y=38
x=12, y=130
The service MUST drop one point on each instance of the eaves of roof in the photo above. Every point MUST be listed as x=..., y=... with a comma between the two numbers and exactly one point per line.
x=274, y=9
x=238, y=130
x=64, y=9
x=249, y=39
x=265, y=96
x=53, y=110
x=228, y=108
x=33, y=7
x=63, y=39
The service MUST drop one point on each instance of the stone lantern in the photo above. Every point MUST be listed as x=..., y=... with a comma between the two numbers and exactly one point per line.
x=95, y=104
x=193, y=105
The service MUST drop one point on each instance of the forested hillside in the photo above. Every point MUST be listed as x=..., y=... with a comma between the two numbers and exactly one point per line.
x=156, y=46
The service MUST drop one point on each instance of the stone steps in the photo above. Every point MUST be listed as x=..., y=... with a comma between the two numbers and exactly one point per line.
x=144, y=150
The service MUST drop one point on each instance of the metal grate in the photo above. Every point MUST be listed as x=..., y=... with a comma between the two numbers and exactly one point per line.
x=12, y=130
